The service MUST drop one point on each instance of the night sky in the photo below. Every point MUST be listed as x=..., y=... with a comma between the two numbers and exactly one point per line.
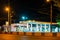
x=33, y=9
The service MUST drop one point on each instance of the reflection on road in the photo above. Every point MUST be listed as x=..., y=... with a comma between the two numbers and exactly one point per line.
x=18, y=37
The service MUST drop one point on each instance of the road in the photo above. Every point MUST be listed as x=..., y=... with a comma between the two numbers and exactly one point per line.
x=18, y=37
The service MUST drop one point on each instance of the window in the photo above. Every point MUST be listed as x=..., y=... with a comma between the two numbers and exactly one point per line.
x=33, y=25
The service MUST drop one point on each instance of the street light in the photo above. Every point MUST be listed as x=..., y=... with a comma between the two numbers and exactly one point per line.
x=51, y=14
x=24, y=17
x=50, y=1
x=8, y=10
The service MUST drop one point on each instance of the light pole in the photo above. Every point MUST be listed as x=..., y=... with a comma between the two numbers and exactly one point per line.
x=54, y=34
x=9, y=22
x=48, y=1
x=8, y=10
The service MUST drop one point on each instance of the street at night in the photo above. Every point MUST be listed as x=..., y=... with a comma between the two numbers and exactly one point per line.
x=29, y=19
x=19, y=37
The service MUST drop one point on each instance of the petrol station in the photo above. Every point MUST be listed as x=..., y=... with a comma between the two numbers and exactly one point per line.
x=34, y=26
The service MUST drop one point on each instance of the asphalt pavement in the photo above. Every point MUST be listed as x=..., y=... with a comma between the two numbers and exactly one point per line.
x=19, y=37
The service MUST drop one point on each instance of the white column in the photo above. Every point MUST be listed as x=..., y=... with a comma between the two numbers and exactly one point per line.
x=37, y=26
x=41, y=28
x=31, y=27
x=27, y=25
x=19, y=28
x=49, y=28
x=45, y=28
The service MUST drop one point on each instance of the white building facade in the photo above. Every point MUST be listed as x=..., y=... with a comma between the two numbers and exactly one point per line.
x=32, y=26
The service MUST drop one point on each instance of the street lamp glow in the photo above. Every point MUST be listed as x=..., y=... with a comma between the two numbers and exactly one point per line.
x=48, y=0
x=7, y=9
x=23, y=17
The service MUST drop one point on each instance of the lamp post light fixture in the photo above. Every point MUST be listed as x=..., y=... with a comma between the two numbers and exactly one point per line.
x=48, y=0
x=24, y=18
x=8, y=10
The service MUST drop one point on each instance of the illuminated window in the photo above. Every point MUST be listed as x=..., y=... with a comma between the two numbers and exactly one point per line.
x=43, y=28
x=33, y=25
x=47, y=28
x=54, y=28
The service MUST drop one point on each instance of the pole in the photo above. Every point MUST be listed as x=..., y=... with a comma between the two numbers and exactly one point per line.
x=8, y=21
x=8, y=18
x=51, y=16
x=9, y=12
